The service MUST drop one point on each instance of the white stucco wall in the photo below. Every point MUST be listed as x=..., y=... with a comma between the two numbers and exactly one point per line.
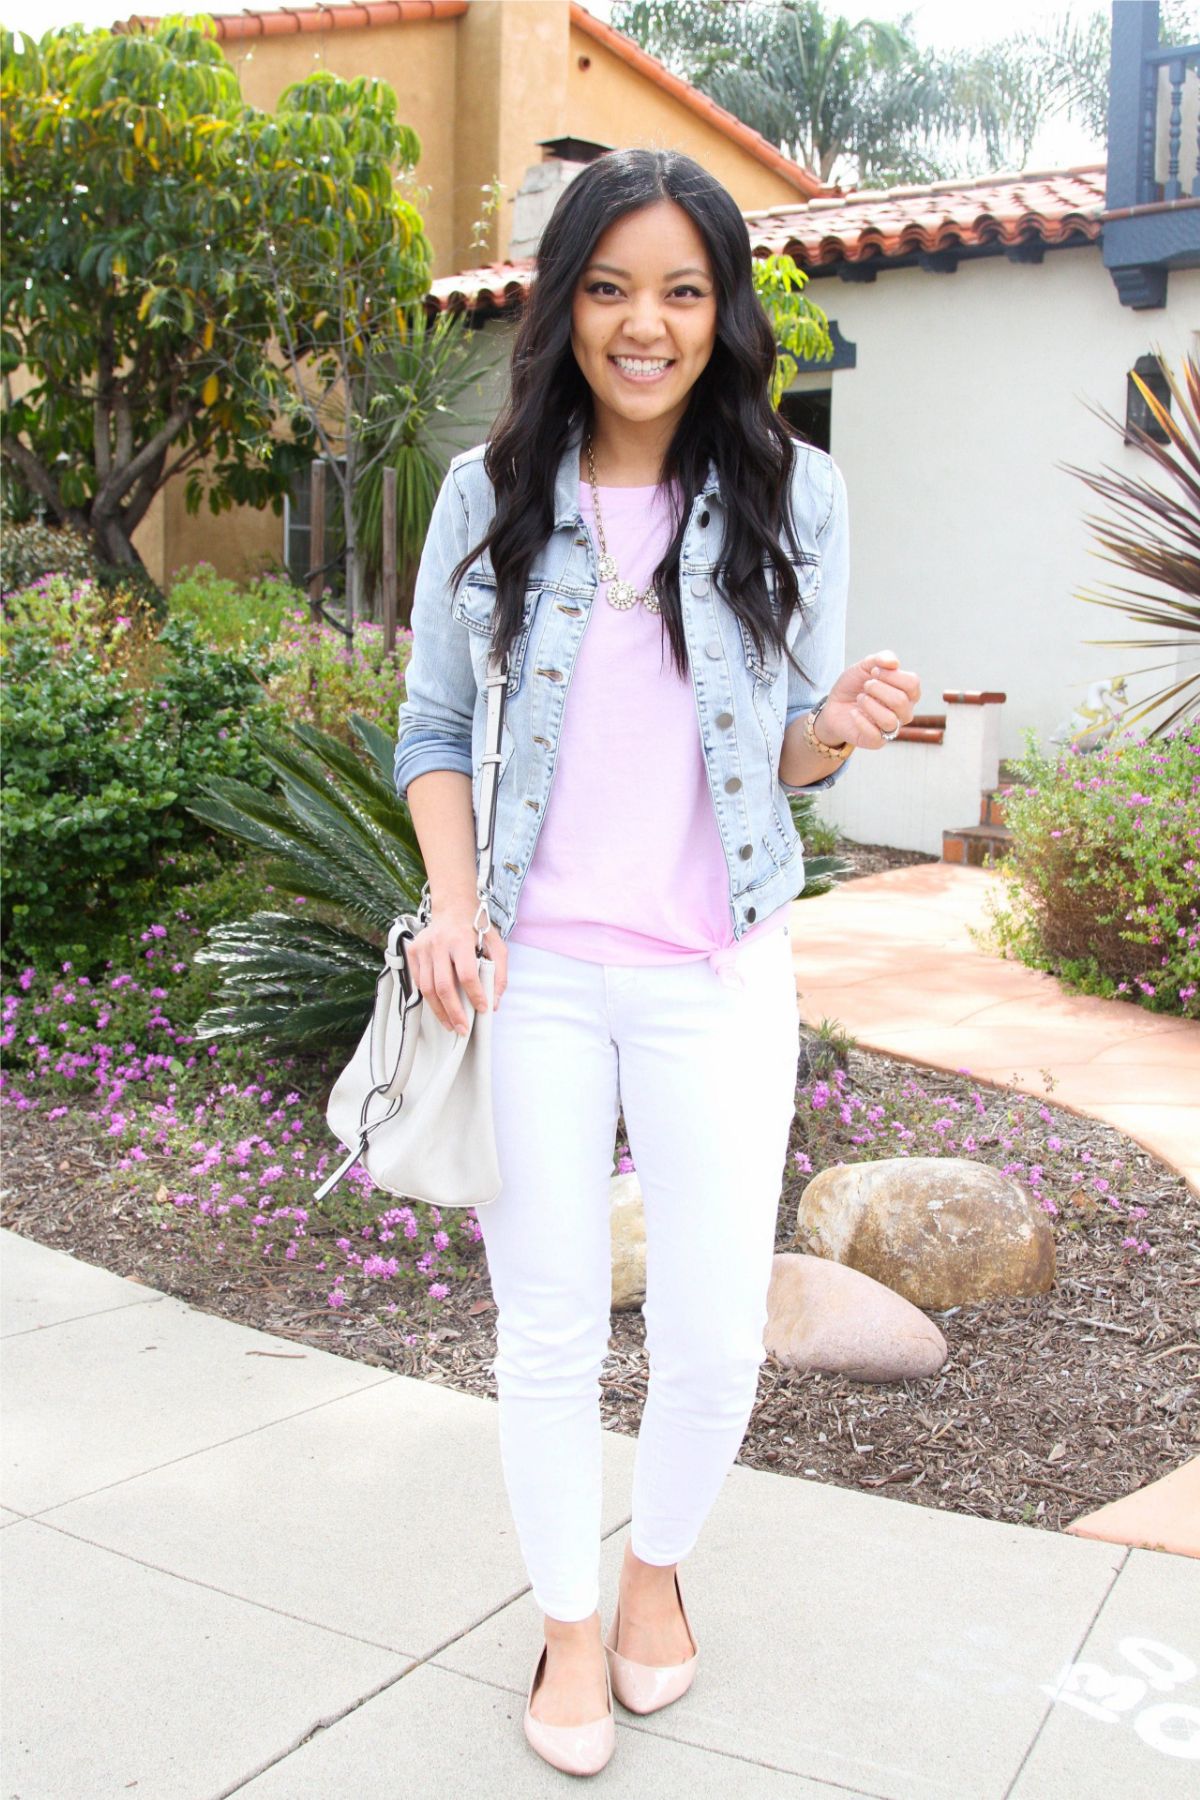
x=968, y=542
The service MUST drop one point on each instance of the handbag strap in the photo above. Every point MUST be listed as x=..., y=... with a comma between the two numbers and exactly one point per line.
x=489, y=787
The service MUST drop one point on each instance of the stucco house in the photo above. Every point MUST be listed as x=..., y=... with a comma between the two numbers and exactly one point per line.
x=975, y=326
x=493, y=89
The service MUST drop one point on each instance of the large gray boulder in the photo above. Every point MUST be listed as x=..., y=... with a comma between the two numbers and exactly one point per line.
x=822, y=1316
x=941, y=1231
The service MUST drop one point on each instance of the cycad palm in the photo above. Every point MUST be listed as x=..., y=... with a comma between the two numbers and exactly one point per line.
x=338, y=836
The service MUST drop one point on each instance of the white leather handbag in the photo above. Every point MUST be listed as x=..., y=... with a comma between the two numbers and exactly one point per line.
x=414, y=1104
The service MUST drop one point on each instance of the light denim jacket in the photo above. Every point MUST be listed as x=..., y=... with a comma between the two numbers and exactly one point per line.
x=743, y=704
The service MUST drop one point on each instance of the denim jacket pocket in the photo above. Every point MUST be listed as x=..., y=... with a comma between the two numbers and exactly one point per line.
x=475, y=607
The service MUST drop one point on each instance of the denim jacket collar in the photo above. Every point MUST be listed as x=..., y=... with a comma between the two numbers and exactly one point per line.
x=566, y=482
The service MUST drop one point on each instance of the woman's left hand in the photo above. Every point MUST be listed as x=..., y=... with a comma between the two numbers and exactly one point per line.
x=867, y=699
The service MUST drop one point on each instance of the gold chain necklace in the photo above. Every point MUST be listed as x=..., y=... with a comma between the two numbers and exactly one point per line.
x=621, y=594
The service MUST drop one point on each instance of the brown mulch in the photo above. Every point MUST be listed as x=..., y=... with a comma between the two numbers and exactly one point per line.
x=1045, y=1408
x=872, y=859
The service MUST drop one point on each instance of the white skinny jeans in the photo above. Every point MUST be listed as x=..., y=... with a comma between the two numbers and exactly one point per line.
x=704, y=1068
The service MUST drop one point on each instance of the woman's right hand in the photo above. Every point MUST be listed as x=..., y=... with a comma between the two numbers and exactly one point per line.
x=443, y=953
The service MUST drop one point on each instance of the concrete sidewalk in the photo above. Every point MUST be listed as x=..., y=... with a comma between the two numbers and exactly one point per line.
x=233, y=1565
x=889, y=956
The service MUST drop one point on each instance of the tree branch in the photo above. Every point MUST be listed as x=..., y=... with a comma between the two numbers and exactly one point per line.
x=108, y=498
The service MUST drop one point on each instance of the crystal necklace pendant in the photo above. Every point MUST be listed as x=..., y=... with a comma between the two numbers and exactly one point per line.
x=621, y=594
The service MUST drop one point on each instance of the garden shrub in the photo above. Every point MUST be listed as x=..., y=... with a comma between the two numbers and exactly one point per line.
x=1101, y=881
x=119, y=629
x=231, y=613
x=318, y=684
x=30, y=550
x=134, y=582
x=99, y=764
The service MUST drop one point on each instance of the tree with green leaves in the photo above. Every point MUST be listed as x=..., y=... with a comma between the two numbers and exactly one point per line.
x=164, y=243
x=864, y=103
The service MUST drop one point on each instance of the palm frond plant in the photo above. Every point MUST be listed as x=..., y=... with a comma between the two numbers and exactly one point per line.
x=337, y=836
x=1155, y=535
x=427, y=401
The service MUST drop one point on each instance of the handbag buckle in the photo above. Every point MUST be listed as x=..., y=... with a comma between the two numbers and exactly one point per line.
x=481, y=931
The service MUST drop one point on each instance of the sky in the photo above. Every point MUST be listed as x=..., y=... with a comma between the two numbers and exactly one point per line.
x=940, y=24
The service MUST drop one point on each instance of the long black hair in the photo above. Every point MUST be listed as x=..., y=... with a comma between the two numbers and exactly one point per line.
x=729, y=417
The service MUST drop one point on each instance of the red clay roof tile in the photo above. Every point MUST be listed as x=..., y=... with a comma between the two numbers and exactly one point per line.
x=287, y=20
x=1051, y=207
x=1008, y=210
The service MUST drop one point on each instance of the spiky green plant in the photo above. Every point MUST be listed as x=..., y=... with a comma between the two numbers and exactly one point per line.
x=429, y=398
x=337, y=835
x=823, y=868
x=1156, y=536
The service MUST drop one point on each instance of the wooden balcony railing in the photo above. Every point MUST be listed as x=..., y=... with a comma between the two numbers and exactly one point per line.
x=1152, y=216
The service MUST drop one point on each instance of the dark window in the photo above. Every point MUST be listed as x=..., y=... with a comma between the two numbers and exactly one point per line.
x=808, y=412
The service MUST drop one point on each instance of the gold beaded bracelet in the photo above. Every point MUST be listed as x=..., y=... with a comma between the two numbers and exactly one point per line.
x=835, y=752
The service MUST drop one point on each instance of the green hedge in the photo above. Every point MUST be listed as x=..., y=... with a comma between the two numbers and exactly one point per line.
x=98, y=770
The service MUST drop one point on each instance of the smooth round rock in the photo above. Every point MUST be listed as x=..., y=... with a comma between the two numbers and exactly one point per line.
x=628, y=1224
x=824, y=1317
x=940, y=1230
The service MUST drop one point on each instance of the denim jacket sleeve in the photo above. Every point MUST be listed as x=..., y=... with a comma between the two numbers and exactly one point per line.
x=440, y=689
x=820, y=641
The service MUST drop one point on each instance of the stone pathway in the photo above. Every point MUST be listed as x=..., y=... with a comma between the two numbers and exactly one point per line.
x=889, y=957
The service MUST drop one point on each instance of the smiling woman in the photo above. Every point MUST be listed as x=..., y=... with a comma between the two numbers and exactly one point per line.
x=661, y=569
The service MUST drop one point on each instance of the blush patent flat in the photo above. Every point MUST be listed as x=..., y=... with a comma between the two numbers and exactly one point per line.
x=575, y=1749
x=645, y=1687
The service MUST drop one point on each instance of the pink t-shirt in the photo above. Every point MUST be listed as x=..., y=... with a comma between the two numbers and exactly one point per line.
x=628, y=865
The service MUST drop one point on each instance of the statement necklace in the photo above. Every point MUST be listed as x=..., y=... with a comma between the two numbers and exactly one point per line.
x=621, y=594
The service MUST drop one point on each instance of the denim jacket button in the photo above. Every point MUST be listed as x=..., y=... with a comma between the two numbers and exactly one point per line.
x=703, y=520
x=713, y=647
x=699, y=584
x=733, y=784
x=751, y=914
x=724, y=720
x=747, y=850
